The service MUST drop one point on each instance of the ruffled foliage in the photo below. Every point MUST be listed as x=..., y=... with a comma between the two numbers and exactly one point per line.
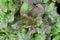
x=29, y=20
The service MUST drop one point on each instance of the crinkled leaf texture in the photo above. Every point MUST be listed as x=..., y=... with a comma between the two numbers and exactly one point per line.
x=7, y=11
x=56, y=37
x=3, y=17
x=4, y=5
x=25, y=8
x=38, y=1
x=3, y=20
x=56, y=27
x=40, y=35
x=23, y=36
x=12, y=37
x=9, y=37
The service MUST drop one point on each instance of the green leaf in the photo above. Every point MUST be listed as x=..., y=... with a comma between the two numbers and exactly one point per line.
x=12, y=37
x=44, y=1
x=4, y=5
x=23, y=36
x=58, y=19
x=56, y=37
x=40, y=37
x=26, y=7
x=3, y=17
x=55, y=29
